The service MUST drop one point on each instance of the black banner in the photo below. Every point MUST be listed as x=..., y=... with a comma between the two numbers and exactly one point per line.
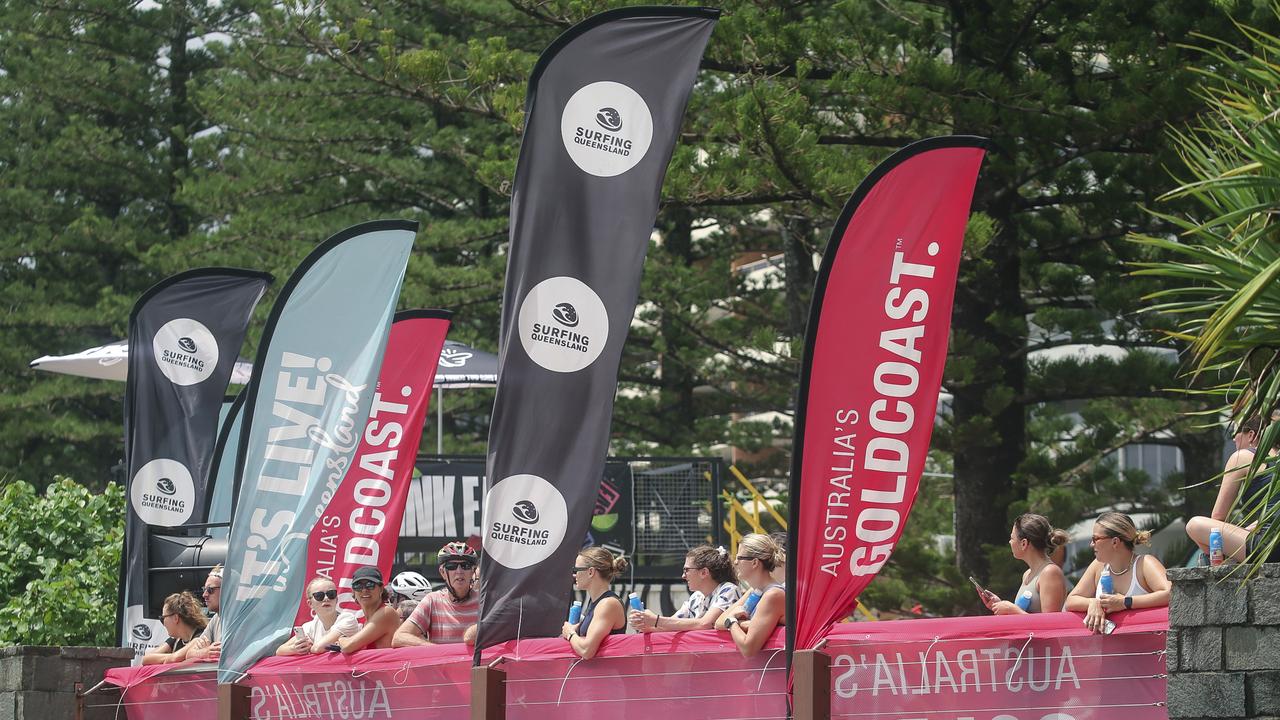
x=602, y=116
x=444, y=504
x=185, y=335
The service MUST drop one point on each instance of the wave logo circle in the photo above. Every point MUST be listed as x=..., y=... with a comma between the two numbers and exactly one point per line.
x=563, y=324
x=514, y=538
x=185, y=351
x=162, y=493
x=141, y=632
x=606, y=128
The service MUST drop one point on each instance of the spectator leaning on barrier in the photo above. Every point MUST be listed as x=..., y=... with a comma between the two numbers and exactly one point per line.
x=603, y=615
x=183, y=620
x=1138, y=581
x=447, y=615
x=380, y=619
x=1238, y=540
x=1044, y=588
x=751, y=621
x=328, y=624
x=713, y=588
x=208, y=646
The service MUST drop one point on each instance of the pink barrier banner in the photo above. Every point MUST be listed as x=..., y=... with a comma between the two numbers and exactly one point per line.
x=360, y=524
x=1038, y=667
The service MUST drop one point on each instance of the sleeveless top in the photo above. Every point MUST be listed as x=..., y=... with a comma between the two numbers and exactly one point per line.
x=590, y=610
x=1135, y=587
x=766, y=589
x=1034, y=586
x=1254, y=497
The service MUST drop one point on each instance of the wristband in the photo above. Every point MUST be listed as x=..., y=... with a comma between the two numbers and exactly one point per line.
x=656, y=620
x=1128, y=602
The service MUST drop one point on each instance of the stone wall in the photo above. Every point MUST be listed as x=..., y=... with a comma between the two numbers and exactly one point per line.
x=41, y=682
x=1223, y=647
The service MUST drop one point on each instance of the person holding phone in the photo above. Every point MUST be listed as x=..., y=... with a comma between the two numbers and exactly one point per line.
x=328, y=624
x=1044, y=588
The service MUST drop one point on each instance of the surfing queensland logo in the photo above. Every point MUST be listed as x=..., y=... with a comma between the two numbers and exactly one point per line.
x=162, y=493
x=563, y=324
x=606, y=128
x=526, y=518
x=185, y=351
x=141, y=632
x=453, y=358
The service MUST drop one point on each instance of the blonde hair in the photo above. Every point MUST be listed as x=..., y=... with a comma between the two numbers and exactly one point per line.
x=603, y=562
x=762, y=548
x=316, y=579
x=1119, y=525
x=216, y=571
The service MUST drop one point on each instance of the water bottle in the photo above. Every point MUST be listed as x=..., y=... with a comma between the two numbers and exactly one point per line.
x=1108, y=587
x=575, y=612
x=1215, y=547
x=636, y=604
x=1024, y=601
x=750, y=603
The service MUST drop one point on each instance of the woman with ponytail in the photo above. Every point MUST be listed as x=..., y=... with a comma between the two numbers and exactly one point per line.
x=1138, y=581
x=751, y=621
x=603, y=614
x=1033, y=540
x=713, y=589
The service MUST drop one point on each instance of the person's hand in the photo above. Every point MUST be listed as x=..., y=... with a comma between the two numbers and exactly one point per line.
x=1111, y=602
x=469, y=637
x=1004, y=607
x=317, y=648
x=298, y=645
x=568, y=629
x=991, y=599
x=1096, y=616
x=643, y=620
x=206, y=652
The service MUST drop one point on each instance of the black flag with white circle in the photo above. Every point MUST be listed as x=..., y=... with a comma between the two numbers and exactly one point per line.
x=602, y=116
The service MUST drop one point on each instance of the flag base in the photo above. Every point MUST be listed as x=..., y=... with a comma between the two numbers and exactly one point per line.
x=488, y=693
x=811, y=693
x=233, y=702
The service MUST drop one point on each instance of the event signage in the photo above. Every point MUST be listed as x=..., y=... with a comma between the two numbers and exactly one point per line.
x=873, y=360
x=443, y=504
x=312, y=392
x=361, y=522
x=602, y=115
x=184, y=340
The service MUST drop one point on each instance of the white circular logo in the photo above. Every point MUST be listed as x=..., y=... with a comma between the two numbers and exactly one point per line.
x=607, y=128
x=563, y=324
x=525, y=520
x=185, y=351
x=162, y=493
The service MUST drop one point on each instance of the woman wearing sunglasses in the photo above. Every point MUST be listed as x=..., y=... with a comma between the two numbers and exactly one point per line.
x=183, y=620
x=1137, y=581
x=713, y=589
x=380, y=619
x=328, y=624
x=753, y=619
x=603, y=615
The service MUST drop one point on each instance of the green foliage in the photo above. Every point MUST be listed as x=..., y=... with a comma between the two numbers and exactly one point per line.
x=59, y=571
x=1220, y=269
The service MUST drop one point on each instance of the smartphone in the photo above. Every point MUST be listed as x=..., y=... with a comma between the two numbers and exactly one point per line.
x=986, y=596
x=1108, y=626
x=300, y=634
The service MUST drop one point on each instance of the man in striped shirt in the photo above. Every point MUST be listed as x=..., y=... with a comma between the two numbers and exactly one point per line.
x=447, y=615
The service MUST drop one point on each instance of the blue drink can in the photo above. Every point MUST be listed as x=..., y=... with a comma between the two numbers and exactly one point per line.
x=750, y=603
x=575, y=612
x=636, y=604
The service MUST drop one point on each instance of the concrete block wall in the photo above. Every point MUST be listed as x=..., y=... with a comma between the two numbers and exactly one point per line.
x=1223, y=647
x=41, y=682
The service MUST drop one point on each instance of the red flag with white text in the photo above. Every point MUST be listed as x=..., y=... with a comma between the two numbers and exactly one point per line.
x=874, y=355
x=361, y=522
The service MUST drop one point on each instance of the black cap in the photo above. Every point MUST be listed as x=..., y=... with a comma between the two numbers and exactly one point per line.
x=367, y=572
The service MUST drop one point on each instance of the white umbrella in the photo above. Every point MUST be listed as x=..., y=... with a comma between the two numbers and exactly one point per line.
x=111, y=362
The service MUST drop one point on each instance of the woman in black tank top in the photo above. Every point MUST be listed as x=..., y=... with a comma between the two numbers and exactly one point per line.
x=603, y=615
x=1238, y=540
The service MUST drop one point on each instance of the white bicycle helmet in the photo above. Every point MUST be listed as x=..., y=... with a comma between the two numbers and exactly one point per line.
x=410, y=584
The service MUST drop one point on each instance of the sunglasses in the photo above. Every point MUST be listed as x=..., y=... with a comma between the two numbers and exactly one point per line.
x=210, y=590
x=685, y=571
x=363, y=585
x=458, y=566
x=743, y=558
x=320, y=596
x=166, y=617
x=577, y=569
x=1096, y=538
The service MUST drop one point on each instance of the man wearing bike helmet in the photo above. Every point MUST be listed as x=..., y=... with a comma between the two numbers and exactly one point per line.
x=447, y=615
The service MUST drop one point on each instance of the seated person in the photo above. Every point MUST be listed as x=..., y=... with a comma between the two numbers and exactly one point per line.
x=752, y=621
x=447, y=615
x=380, y=619
x=1033, y=540
x=1138, y=581
x=603, y=614
x=1237, y=540
x=329, y=623
x=208, y=646
x=713, y=588
x=183, y=620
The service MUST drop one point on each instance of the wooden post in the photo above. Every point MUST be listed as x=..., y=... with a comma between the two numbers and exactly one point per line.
x=488, y=693
x=811, y=694
x=233, y=702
